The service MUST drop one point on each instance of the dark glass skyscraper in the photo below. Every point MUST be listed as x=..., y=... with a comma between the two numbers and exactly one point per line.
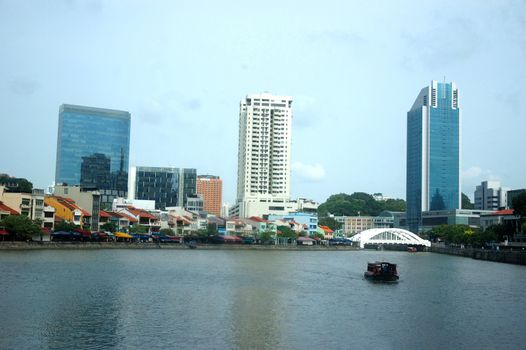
x=93, y=150
x=433, y=152
x=167, y=186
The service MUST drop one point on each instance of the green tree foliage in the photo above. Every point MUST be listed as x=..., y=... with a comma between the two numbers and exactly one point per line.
x=501, y=231
x=22, y=185
x=287, y=232
x=319, y=235
x=329, y=222
x=358, y=203
x=109, y=226
x=466, y=202
x=211, y=229
x=393, y=204
x=65, y=226
x=167, y=231
x=266, y=236
x=202, y=233
x=21, y=226
x=463, y=234
x=138, y=229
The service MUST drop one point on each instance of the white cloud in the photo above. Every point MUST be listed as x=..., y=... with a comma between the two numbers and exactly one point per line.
x=312, y=172
x=471, y=173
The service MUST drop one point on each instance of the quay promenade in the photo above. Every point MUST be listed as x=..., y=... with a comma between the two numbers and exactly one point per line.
x=510, y=256
x=150, y=245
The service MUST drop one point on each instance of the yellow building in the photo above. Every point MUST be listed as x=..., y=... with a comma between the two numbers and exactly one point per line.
x=67, y=210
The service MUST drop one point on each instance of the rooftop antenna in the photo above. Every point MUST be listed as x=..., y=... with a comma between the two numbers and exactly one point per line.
x=444, y=79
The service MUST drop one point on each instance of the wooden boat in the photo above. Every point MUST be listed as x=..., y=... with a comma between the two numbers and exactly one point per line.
x=381, y=272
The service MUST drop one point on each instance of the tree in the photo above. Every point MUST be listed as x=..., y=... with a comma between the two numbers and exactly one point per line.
x=21, y=226
x=109, y=226
x=319, y=235
x=358, y=203
x=138, y=229
x=212, y=229
x=330, y=222
x=167, y=231
x=266, y=236
x=501, y=231
x=394, y=205
x=65, y=226
x=202, y=233
x=287, y=232
x=466, y=202
x=457, y=234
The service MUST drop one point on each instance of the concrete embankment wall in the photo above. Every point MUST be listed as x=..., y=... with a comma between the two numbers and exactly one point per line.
x=125, y=245
x=505, y=256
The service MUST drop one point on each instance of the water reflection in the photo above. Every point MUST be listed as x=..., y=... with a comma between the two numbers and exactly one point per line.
x=229, y=299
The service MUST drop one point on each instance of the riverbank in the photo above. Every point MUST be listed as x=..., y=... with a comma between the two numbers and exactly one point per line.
x=517, y=257
x=126, y=245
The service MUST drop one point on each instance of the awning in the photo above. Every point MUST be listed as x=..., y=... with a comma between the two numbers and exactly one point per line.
x=4, y=232
x=122, y=235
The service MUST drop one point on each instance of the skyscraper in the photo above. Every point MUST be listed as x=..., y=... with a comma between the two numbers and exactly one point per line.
x=263, y=176
x=433, y=152
x=167, y=186
x=211, y=189
x=93, y=150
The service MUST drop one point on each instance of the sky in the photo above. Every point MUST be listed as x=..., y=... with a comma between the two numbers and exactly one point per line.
x=353, y=68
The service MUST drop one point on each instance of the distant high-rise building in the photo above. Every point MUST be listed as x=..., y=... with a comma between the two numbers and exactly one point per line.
x=512, y=194
x=167, y=186
x=211, y=189
x=489, y=195
x=263, y=176
x=93, y=150
x=433, y=152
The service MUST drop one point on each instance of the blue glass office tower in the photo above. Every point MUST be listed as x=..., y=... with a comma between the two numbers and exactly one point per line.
x=93, y=150
x=433, y=153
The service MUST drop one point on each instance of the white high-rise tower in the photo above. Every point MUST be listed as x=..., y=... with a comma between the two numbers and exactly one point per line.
x=263, y=176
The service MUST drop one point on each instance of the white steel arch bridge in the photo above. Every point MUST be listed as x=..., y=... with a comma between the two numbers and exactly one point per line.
x=389, y=236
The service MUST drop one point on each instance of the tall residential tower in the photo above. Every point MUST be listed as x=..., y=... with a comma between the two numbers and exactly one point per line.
x=263, y=176
x=433, y=152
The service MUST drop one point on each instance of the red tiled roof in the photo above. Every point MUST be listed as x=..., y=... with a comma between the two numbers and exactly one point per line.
x=122, y=215
x=257, y=219
x=141, y=213
x=70, y=204
x=503, y=212
x=326, y=229
x=5, y=208
x=103, y=214
x=183, y=219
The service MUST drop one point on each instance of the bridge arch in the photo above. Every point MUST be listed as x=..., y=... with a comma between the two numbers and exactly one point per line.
x=389, y=236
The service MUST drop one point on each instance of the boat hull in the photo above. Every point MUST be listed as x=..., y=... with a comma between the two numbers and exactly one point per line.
x=381, y=278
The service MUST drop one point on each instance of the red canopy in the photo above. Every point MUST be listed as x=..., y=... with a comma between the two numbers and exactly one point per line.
x=3, y=232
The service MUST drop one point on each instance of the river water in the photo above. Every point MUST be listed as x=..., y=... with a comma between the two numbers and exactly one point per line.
x=218, y=299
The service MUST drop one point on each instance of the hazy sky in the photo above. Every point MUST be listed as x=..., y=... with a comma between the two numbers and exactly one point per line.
x=353, y=68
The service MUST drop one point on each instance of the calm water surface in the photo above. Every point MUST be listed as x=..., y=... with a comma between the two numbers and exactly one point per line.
x=200, y=299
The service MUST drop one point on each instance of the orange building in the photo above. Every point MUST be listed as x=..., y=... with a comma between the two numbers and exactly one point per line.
x=211, y=189
x=67, y=210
